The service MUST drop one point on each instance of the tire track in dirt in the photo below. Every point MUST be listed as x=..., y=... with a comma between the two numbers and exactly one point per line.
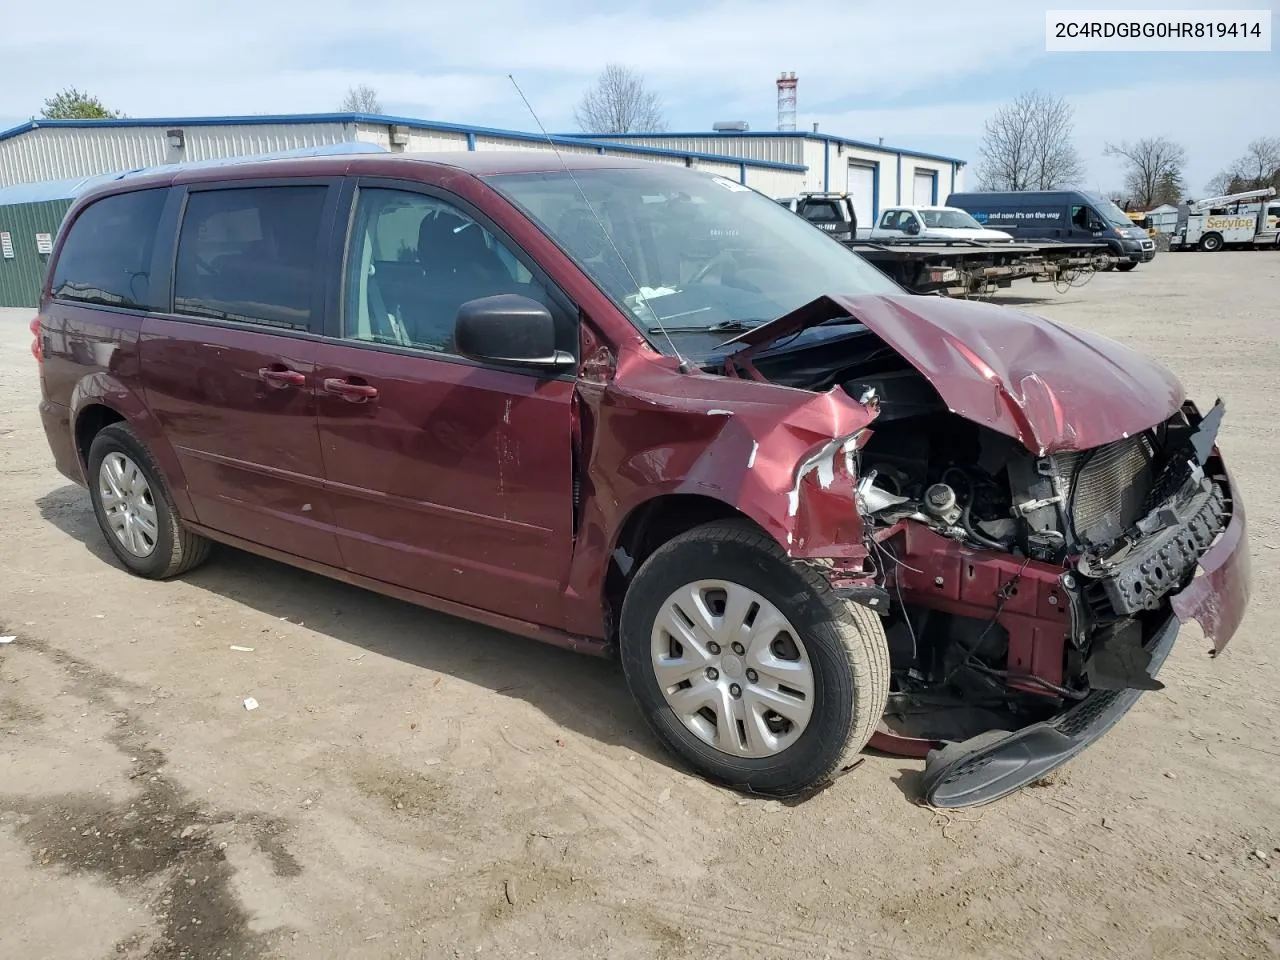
x=738, y=929
x=618, y=800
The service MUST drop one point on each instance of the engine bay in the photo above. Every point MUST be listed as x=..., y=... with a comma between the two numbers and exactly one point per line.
x=1018, y=583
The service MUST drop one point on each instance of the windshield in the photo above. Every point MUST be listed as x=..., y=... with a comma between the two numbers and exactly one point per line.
x=950, y=220
x=688, y=251
x=1110, y=211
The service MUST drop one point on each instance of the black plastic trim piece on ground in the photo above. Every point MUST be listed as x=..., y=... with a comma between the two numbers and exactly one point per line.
x=994, y=764
x=877, y=598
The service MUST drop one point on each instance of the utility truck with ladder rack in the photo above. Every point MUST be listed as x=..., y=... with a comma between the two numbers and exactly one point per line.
x=1237, y=220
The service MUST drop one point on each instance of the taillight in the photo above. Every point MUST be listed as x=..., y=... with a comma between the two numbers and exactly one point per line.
x=36, y=350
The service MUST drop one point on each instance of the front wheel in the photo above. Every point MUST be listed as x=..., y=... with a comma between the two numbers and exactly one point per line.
x=1125, y=267
x=747, y=665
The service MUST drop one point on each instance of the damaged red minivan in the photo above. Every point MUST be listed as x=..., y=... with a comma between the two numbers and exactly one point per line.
x=636, y=409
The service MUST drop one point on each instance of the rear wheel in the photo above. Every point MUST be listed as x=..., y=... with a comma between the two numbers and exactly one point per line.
x=1211, y=243
x=747, y=665
x=135, y=510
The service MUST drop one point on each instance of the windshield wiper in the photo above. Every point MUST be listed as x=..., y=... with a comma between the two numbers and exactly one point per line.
x=724, y=326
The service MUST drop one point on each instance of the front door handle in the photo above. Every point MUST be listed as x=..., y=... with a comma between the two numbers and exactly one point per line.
x=354, y=392
x=281, y=376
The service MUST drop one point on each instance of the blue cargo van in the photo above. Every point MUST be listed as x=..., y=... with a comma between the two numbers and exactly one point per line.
x=1067, y=215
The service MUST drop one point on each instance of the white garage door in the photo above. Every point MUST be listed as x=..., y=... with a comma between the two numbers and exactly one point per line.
x=862, y=188
x=922, y=192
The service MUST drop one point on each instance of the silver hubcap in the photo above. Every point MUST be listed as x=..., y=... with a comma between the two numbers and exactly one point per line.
x=732, y=668
x=127, y=502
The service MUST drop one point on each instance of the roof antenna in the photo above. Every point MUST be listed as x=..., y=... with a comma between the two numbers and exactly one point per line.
x=685, y=366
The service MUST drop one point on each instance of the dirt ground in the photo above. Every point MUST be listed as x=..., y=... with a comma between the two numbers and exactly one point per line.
x=416, y=786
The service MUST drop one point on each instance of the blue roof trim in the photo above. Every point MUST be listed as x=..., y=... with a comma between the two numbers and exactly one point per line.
x=440, y=126
x=830, y=138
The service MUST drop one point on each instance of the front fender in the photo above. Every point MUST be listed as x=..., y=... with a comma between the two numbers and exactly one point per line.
x=783, y=457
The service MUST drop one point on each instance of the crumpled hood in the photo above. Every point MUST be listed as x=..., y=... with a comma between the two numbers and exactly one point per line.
x=1052, y=387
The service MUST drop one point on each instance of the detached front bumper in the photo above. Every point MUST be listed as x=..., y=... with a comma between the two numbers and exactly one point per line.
x=996, y=763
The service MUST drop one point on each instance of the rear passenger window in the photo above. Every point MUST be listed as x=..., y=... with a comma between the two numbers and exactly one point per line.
x=250, y=255
x=106, y=258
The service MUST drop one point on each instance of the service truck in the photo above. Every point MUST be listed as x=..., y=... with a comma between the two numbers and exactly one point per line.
x=1244, y=219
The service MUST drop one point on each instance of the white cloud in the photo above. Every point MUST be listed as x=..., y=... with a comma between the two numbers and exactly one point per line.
x=450, y=61
x=239, y=55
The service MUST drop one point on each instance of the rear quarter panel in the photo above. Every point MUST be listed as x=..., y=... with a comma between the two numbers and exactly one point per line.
x=92, y=356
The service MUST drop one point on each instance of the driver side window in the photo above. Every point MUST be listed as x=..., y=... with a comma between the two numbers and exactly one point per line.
x=1086, y=219
x=413, y=260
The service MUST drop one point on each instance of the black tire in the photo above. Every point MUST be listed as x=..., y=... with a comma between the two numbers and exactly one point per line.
x=176, y=550
x=1211, y=243
x=845, y=644
x=1126, y=267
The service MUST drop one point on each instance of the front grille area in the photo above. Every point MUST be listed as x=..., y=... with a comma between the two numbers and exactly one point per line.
x=1105, y=489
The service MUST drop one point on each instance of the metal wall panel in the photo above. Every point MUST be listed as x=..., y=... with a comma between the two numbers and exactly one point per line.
x=730, y=171
x=435, y=141
x=776, y=149
x=420, y=140
x=216, y=142
x=22, y=277
x=777, y=183
x=648, y=157
x=491, y=142
x=57, y=153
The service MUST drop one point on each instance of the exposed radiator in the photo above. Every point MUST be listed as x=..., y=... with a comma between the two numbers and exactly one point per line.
x=1109, y=492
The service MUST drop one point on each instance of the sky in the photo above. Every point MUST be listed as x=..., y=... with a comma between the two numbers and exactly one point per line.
x=924, y=75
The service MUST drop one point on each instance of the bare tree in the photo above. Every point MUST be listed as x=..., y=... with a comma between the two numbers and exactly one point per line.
x=1153, y=173
x=620, y=103
x=1027, y=145
x=1222, y=183
x=361, y=99
x=1260, y=165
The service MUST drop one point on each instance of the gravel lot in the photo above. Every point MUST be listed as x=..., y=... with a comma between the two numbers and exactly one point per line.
x=416, y=786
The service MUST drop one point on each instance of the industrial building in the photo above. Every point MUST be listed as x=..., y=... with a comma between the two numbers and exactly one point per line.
x=45, y=164
x=61, y=149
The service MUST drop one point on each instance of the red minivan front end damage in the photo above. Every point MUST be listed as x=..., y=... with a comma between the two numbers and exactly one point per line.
x=1032, y=510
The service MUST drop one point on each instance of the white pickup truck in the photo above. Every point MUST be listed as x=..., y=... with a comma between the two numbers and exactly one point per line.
x=932, y=223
